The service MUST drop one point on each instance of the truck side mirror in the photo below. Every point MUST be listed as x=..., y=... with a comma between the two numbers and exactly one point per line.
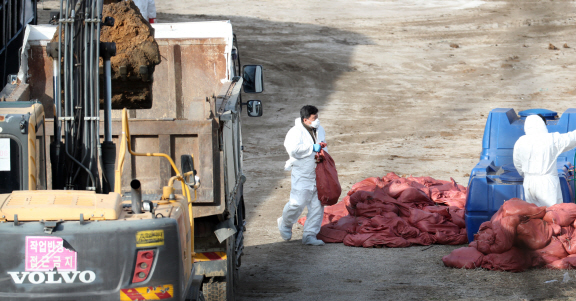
x=253, y=79
x=254, y=108
x=187, y=165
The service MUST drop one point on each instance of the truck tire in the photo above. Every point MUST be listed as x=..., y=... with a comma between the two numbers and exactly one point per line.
x=214, y=290
x=224, y=288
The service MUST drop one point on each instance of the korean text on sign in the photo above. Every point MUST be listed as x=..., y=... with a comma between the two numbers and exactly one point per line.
x=44, y=253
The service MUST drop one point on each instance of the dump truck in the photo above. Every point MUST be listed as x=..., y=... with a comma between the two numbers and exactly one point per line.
x=131, y=204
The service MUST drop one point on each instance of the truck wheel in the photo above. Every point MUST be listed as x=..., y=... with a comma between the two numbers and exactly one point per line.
x=214, y=290
x=224, y=288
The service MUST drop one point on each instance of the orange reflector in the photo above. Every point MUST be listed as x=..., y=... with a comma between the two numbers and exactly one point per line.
x=209, y=256
x=147, y=293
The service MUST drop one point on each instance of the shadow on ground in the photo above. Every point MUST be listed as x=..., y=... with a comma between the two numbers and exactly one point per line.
x=338, y=272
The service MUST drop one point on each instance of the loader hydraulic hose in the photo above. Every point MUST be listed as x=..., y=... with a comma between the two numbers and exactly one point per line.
x=126, y=141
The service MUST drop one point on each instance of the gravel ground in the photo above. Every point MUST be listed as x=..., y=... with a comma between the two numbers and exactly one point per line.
x=395, y=94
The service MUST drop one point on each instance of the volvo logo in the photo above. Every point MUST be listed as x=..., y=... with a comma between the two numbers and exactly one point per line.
x=52, y=277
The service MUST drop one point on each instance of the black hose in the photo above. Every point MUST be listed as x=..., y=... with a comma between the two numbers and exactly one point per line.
x=82, y=166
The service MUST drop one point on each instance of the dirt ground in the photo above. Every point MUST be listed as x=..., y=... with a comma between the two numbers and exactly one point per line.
x=394, y=95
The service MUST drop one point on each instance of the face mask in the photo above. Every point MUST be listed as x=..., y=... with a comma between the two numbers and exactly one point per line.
x=316, y=123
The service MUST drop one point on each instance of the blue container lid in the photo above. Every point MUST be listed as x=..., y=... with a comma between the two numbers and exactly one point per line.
x=546, y=113
x=509, y=167
x=511, y=176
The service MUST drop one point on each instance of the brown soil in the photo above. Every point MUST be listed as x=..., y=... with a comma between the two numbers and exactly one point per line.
x=135, y=47
x=134, y=38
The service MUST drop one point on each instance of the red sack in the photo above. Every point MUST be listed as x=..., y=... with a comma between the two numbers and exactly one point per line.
x=336, y=212
x=390, y=177
x=424, y=238
x=365, y=185
x=568, y=239
x=516, y=206
x=441, y=210
x=451, y=238
x=347, y=223
x=417, y=215
x=396, y=187
x=496, y=237
x=533, y=234
x=373, y=208
x=331, y=235
x=414, y=197
x=468, y=258
x=356, y=239
x=562, y=214
x=555, y=248
x=382, y=239
x=457, y=216
x=567, y=263
x=327, y=183
x=336, y=231
x=513, y=260
x=368, y=184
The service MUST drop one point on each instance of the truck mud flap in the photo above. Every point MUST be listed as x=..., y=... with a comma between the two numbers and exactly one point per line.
x=225, y=229
x=92, y=261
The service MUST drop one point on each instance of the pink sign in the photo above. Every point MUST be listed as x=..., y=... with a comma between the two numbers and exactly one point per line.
x=44, y=253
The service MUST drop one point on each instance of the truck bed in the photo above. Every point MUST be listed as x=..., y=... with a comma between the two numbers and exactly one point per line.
x=195, y=72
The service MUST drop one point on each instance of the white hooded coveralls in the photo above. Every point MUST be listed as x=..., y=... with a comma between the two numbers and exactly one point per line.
x=535, y=157
x=299, y=145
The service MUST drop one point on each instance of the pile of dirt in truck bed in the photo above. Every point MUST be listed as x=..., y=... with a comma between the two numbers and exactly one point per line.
x=135, y=47
x=134, y=38
x=519, y=236
x=397, y=212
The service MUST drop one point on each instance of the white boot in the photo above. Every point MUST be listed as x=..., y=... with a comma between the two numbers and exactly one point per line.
x=285, y=232
x=311, y=240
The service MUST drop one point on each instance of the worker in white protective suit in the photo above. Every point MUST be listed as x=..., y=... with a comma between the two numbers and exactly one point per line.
x=535, y=157
x=147, y=9
x=302, y=143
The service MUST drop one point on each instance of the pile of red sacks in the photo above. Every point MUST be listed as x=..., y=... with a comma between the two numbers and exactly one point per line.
x=397, y=212
x=520, y=236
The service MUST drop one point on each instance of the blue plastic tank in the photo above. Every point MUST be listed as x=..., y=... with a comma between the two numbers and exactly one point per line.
x=494, y=179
